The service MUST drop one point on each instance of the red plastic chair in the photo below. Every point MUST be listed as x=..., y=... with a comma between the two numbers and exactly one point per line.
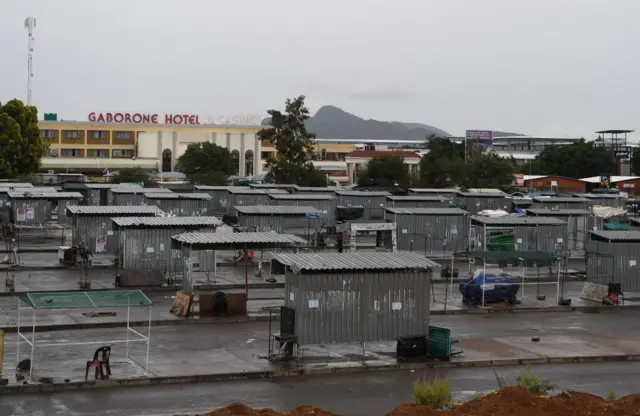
x=101, y=363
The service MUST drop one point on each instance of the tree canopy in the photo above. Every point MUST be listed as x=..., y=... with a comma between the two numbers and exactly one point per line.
x=446, y=165
x=635, y=161
x=385, y=171
x=293, y=145
x=21, y=146
x=206, y=164
x=578, y=160
x=132, y=175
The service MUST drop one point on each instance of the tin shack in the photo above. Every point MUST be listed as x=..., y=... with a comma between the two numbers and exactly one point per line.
x=614, y=256
x=517, y=234
x=219, y=202
x=372, y=203
x=130, y=195
x=579, y=223
x=285, y=219
x=418, y=201
x=33, y=210
x=180, y=204
x=476, y=202
x=356, y=296
x=324, y=203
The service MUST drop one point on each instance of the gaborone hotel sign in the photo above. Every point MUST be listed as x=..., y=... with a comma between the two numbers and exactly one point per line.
x=144, y=118
x=184, y=119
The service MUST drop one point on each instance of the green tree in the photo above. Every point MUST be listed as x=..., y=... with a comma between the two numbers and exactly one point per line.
x=132, y=175
x=444, y=165
x=635, y=161
x=385, y=171
x=487, y=170
x=21, y=146
x=578, y=160
x=206, y=164
x=293, y=145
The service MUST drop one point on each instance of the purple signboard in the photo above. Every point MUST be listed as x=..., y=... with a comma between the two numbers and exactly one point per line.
x=481, y=137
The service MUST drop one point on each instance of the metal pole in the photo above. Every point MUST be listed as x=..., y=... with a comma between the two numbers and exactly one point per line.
x=558, y=287
x=126, y=354
x=451, y=280
x=146, y=365
x=484, y=279
x=33, y=343
x=246, y=274
x=18, y=337
x=523, y=274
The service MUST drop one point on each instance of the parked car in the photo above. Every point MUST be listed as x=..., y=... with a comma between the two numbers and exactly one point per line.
x=497, y=284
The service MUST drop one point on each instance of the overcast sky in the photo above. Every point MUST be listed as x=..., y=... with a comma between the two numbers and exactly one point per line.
x=546, y=67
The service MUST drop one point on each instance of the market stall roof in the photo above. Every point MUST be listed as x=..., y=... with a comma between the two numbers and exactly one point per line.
x=86, y=300
x=567, y=212
x=436, y=191
x=108, y=185
x=315, y=188
x=512, y=221
x=138, y=190
x=512, y=258
x=171, y=195
x=363, y=194
x=286, y=210
x=302, y=197
x=217, y=187
x=23, y=194
x=560, y=199
x=131, y=210
x=628, y=236
x=364, y=260
x=427, y=211
x=165, y=222
x=272, y=186
x=417, y=198
x=233, y=241
x=15, y=185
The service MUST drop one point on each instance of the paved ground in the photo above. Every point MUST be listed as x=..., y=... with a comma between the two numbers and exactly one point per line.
x=363, y=394
x=241, y=347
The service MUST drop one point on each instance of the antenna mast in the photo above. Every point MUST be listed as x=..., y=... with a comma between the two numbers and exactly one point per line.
x=30, y=24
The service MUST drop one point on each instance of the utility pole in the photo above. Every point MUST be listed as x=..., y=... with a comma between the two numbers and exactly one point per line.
x=30, y=24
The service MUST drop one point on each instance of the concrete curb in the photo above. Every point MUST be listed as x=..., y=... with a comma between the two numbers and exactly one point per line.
x=319, y=370
x=4, y=267
x=276, y=317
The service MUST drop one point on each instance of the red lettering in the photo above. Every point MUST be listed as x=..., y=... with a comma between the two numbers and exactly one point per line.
x=168, y=119
x=137, y=118
x=127, y=118
x=154, y=119
x=118, y=118
x=100, y=118
x=177, y=119
x=109, y=117
x=192, y=120
x=197, y=119
x=92, y=116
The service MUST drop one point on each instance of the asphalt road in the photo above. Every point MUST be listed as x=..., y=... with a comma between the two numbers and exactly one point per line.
x=367, y=394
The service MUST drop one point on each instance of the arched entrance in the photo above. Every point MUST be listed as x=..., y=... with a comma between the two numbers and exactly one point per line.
x=235, y=157
x=166, y=160
x=248, y=163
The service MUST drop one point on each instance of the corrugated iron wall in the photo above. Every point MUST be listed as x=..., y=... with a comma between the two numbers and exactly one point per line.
x=475, y=204
x=417, y=204
x=95, y=232
x=284, y=224
x=358, y=306
x=326, y=206
x=614, y=262
x=431, y=233
x=31, y=212
x=246, y=199
x=373, y=205
x=547, y=238
x=550, y=204
x=62, y=211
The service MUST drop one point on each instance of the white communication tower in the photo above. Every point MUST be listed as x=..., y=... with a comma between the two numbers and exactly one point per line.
x=30, y=24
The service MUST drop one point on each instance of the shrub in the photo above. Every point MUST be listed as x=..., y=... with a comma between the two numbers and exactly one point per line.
x=611, y=396
x=436, y=393
x=534, y=384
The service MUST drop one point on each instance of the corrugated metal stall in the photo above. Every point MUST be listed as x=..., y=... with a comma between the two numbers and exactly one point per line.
x=181, y=187
x=614, y=256
x=265, y=186
x=446, y=192
x=431, y=231
x=5, y=205
x=605, y=200
x=98, y=193
x=373, y=203
x=327, y=190
x=417, y=201
x=237, y=197
x=145, y=242
x=91, y=225
x=183, y=205
x=521, y=204
x=526, y=233
x=297, y=220
x=326, y=204
x=554, y=202
x=35, y=209
x=475, y=202
x=74, y=199
x=579, y=223
x=127, y=195
x=356, y=296
x=219, y=202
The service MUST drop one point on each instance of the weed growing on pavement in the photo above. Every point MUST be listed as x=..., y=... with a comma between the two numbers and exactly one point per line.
x=612, y=396
x=436, y=393
x=534, y=384
x=499, y=380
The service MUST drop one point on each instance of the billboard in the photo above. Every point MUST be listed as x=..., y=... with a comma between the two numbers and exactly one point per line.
x=483, y=138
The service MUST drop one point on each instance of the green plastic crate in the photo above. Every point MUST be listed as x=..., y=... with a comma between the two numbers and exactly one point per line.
x=439, y=343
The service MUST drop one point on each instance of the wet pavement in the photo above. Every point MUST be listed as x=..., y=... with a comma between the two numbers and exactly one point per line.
x=240, y=348
x=362, y=394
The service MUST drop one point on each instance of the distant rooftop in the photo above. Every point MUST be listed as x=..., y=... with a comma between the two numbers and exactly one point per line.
x=614, y=131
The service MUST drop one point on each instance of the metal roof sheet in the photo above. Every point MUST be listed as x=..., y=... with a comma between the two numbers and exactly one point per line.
x=424, y=198
x=302, y=197
x=276, y=210
x=559, y=212
x=510, y=220
x=113, y=210
x=271, y=186
x=246, y=191
x=110, y=185
x=138, y=190
x=270, y=237
x=599, y=196
x=561, y=199
x=427, y=211
x=44, y=195
x=364, y=260
x=32, y=189
x=315, y=188
x=165, y=221
x=15, y=185
x=161, y=195
x=276, y=191
x=482, y=194
x=433, y=190
x=630, y=235
x=217, y=188
x=195, y=195
x=363, y=194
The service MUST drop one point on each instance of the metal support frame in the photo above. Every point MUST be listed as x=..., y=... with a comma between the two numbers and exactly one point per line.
x=141, y=338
